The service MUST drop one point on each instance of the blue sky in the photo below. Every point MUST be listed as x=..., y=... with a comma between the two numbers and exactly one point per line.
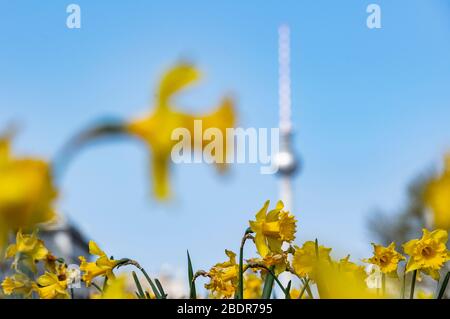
x=371, y=109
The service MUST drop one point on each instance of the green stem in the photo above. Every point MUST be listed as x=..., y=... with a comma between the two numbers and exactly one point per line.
x=125, y=261
x=241, y=268
x=302, y=292
x=97, y=287
x=268, y=284
x=158, y=294
x=413, y=284
x=383, y=283
x=287, y=294
x=404, y=284
x=140, y=291
x=105, y=282
x=247, y=235
x=316, y=247
x=271, y=273
x=308, y=289
x=444, y=286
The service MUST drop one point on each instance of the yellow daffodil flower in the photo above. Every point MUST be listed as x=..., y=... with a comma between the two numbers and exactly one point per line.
x=273, y=229
x=252, y=286
x=224, y=277
x=429, y=253
x=338, y=283
x=103, y=266
x=305, y=258
x=279, y=260
x=52, y=286
x=386, y=258
x=28, y=249
x=156, y=128
x=18, y=284
x=27, y=193
x=345, y=265
x=116, y=289
x=50, y=263
x=437, y=197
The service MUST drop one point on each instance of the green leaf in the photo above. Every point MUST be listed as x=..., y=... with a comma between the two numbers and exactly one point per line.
x=287, y=290
x=305, y=285
x=97, y=287
x=161, y=289
x=192, y=290
x=152, y=285
x=268, y=285
x=154, y=289
x=444, y=286
x=308, y=288
x=140, y=292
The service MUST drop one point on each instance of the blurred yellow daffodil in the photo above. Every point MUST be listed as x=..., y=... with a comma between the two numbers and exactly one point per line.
x=18, y=284
x=345, y=265
x=437, y=197
x=429, y=253
x=103, y=266
x=338, y=283
x=27, y=193
x=224, y=277
x=387, y=258
x=252, y=286
x=156, y=129
x=116, y=289
x=272, y=229
x=159, y=130
x=28, y=249
x=53, y=286
x=305, y=258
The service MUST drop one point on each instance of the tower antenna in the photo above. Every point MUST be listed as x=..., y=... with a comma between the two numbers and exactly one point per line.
x=286, y=160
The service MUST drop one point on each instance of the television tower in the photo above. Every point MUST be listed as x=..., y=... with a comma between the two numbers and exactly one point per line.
x=286, y=160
